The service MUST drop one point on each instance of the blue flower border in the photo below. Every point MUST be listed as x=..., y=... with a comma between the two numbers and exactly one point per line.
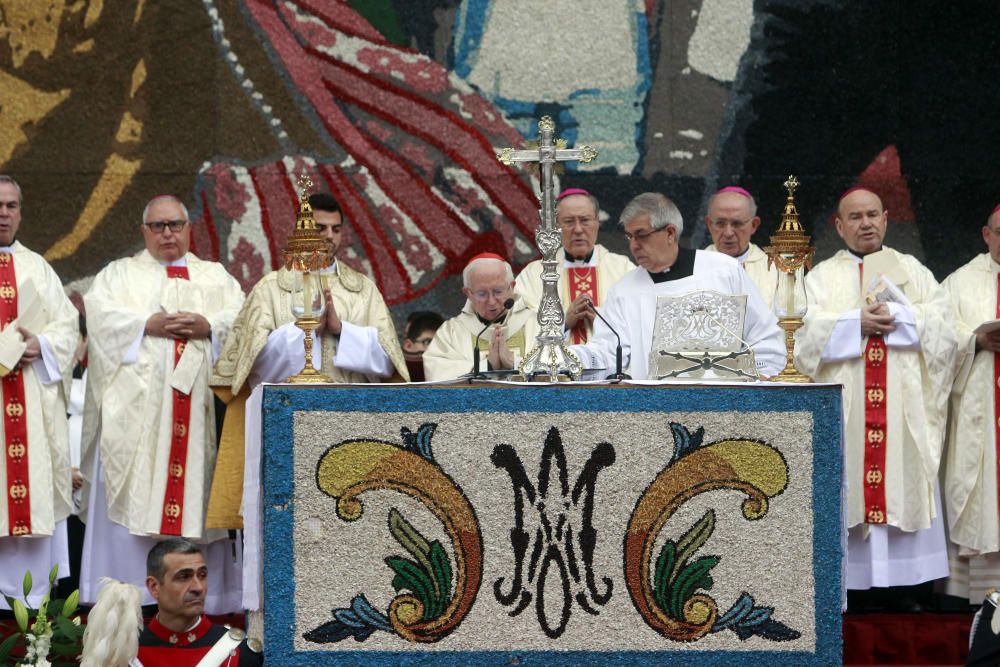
x=823, y=402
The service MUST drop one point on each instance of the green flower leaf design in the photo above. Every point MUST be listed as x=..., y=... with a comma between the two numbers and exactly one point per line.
x=676, y=577
x=428, y=575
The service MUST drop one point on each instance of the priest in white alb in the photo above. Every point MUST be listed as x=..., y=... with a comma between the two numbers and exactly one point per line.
x=156, y=322
x=653, y=227
x=732, y=220
x=587, y=270
x=507, y=333
x=879, y=324
x=38, y=332
x=355, y=343
x=972, y=466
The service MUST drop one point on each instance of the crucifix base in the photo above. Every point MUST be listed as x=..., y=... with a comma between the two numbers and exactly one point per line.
x=551, y=357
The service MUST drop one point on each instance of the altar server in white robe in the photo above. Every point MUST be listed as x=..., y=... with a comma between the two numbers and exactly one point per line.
x=972, y=466
x=895, y=357
x=653, y=226
x=38, y=332
x=488, y=283
x=355, y=343
x=732, y=220
x=587, y=269
x=156, y=322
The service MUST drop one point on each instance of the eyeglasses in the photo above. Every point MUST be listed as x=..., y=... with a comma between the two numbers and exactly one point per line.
x=158, y=226
x=570, y=223
x=737, y=225
x=498, y=294
x=423, y=341
x=642, y=237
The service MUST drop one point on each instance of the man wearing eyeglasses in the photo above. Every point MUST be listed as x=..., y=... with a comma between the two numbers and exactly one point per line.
x=157, y=321
x=732, y=220
x=653, y=226
x=38, y=333
x=488, y=282
x=587, y=269
x=973, y=456
x=879, y=324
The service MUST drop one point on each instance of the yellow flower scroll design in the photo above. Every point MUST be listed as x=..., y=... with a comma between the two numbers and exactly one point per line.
x=667, y=599
x=349, y=469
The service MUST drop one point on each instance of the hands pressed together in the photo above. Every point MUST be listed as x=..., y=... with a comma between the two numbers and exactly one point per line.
x=500, y=355
x=329, y=320
x=579, y=311
x=178, y=325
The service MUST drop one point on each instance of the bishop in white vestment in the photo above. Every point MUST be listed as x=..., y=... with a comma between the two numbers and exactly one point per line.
x=893, y=349
x=732, y=220
x=587, y=271
x=972, y=466
x=38, y=332
x=507, y=334
x=156, y=322
x=653, y=226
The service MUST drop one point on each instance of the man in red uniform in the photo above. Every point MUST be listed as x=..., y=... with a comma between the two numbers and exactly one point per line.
x=180, y=634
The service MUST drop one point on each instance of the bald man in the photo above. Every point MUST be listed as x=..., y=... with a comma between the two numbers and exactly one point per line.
x=508, y=334
x=879, y=324
x=732, y=221
x=587, y=270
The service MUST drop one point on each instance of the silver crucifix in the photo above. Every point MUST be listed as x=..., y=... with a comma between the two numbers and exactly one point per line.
x=550, y=352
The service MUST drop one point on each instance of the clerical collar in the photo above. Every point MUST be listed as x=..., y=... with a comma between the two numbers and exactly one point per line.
x=682, y=267
x=9, y=249
x=486, y=321
x=180, y=261
x=329, y=269
x=574, y=260
x=743, y=257
x=860, y=256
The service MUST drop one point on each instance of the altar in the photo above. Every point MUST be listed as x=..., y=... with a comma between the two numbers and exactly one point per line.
x=551, y=524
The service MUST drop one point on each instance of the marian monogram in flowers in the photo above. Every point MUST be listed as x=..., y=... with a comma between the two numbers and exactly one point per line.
x=635, y=531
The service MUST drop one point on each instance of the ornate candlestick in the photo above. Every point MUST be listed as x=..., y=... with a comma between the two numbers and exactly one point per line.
x=307, y=251
x=550, y=352
x=791, y=253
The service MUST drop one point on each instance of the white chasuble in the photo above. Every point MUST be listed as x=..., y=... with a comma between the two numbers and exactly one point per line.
x=764, y=277
x=594, y=277
x=132, y=378
x=35, y=462
x=631, y=310
x=450, y=354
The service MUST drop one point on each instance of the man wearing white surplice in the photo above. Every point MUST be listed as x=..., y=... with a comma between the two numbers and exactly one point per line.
x=653, y=226
x=488, y=283
x=972, y=468
x=891, y=344
x=587, y=270
x=37, y=340
x=156, y=322
x=355, y=343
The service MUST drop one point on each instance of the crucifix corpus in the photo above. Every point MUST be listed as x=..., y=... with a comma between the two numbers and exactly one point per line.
x=550, y=352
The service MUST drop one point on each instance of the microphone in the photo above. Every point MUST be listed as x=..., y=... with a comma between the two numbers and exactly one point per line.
x=507, y=305
x=618, y=375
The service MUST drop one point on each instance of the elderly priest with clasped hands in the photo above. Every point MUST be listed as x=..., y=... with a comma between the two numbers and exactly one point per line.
x=653, y=227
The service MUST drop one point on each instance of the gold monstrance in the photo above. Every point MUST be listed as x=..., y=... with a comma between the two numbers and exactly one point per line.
x=791, y=253
x=306, y=251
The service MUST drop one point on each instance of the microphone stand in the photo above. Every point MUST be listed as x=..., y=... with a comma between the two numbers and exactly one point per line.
x=476, y=374
x=618, y=374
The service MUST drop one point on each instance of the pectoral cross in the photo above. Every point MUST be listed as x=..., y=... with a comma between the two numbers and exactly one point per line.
x=550, y=352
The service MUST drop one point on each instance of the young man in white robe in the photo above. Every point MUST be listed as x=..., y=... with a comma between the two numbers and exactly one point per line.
x=156, y=322
x=732, y=220
x=653, y=227
x=588, y=269
x=972, y=466
x=507, y=334
x=892, y=345
x=38, y=332
x=355, y=343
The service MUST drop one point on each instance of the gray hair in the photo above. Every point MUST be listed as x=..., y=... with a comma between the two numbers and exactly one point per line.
x=4, y=178
x=467, y=271
x=172, y=545
x=661, y=211
x=157, y=198
x=753, y=204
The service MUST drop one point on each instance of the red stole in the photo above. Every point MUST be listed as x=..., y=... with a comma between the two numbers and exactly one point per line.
x=996, y=397
x=173, y=498
x=15, y=426
x=876, y=361
x=582, y=280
